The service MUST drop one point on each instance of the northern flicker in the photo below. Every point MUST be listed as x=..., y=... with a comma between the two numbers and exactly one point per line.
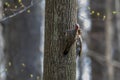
x=79, y=43
x=71, y=36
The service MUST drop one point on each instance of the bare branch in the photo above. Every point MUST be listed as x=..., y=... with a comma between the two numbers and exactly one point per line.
x=21, y=11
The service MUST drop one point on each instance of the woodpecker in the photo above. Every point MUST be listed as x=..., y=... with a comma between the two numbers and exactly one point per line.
x=79, y=43
x=71, y=36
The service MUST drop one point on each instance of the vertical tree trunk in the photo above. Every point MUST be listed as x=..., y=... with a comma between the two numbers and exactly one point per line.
x=96, y=41
x=109, y=38
x=60, y=16
x=2, y=59
x=117, y=53
x=117, y=6
x=22, y=44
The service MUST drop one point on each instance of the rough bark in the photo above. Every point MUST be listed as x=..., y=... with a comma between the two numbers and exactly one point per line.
x=22, y=44
x=60, y=16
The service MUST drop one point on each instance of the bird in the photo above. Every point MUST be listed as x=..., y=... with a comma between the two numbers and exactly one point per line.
x=70, y=37
x=79, y=44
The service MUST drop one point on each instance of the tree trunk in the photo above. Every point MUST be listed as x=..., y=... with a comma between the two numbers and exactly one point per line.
x=2, y=59
x=109, y=38
x=117, y=40
x=96, y=40
x=60, y=16
x=22, y=44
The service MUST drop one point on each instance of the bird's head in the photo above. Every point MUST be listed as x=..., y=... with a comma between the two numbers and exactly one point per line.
x=78, y=29
x=77, y=26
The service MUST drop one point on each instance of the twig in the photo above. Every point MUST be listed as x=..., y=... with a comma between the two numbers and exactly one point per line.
x=19, y=12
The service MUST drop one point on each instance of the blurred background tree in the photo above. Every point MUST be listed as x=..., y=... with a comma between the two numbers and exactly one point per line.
x=100, y=22
x=22, y=39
